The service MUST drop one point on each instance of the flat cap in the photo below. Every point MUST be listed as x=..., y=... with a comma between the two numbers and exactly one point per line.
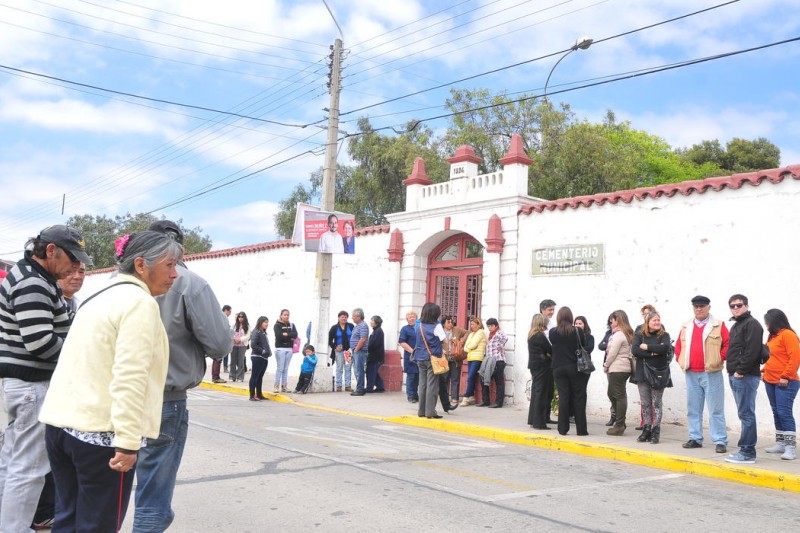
x=700, y=300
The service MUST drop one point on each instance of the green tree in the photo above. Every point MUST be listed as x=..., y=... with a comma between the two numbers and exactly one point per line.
x=100, y=232
x=738, y=155
x=311, y=193
x=383, y=162
x=486, y=122
x=373, y=186
x=749, y=156
x=589, y=158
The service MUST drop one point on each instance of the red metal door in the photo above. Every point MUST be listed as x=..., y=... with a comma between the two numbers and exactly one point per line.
x=455, y=276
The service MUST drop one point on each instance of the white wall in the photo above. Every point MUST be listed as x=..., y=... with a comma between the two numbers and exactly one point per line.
x=665, y=251
x=661, y=251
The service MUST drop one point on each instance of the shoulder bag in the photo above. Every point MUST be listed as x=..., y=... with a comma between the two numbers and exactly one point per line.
x=584, y=360
x=297, y=340
x=439, y=364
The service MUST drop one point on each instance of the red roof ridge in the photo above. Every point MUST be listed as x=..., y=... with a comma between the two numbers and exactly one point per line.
x=251, y=248
x=685, y=188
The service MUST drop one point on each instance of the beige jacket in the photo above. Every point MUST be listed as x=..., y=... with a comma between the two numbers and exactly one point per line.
x=619, y=357
x=113, y=366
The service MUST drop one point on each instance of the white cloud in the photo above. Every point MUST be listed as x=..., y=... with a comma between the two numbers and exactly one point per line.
x=254, y=219
x=691, y=125
x=71, y=114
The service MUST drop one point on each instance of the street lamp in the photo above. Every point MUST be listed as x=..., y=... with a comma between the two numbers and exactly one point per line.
x=581, y=44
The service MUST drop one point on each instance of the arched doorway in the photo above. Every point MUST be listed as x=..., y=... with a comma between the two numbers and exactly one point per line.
x=455, y=275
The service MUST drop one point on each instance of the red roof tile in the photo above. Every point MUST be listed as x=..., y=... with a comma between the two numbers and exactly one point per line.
x=250, y=248
x=684, y=188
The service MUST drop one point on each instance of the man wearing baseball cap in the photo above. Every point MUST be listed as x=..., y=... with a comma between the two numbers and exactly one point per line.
x=33, y=324
x=195, y=329
x=700, y=352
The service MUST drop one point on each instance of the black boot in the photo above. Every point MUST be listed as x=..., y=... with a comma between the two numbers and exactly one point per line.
x=655, y=435
x=484, y=397
x=646, y=434
x=612, y=421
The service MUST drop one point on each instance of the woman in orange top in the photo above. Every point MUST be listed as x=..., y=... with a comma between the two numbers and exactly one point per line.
x=781, y=381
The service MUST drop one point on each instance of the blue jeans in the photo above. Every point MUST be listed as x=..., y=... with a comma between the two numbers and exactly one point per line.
x=744, y=392
x=412, y=385
x=157, y=469
x=472, y=374
x=359, y=365
x=706, y=388
x=23, y=460
x=342, y=367
x=781, y=399
x=283, y=356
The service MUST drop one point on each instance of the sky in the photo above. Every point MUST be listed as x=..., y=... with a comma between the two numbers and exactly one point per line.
x=233, y=105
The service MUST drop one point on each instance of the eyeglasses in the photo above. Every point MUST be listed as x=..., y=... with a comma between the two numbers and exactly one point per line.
x=736, y=306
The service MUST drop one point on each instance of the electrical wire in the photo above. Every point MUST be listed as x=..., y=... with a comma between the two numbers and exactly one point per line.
x=539, y=58
x=109, y=32
x=158, y=100
x=356, y=45
x=149, y=8
x=206, y=32
x=265, y=96
x=633, y=74
x=141, y=54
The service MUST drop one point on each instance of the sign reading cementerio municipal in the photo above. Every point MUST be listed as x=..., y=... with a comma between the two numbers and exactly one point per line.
x=568, y=259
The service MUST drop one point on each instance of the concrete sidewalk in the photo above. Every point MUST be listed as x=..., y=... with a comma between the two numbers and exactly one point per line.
x=509, y=424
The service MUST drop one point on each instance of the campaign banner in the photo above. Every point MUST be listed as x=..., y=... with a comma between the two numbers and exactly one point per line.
x=329, y=232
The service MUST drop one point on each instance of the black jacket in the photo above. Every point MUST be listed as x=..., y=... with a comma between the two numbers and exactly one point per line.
x=656, y=354
x=375, y=351
x=744, y=346
x=260, y=344
x=604, y=343
x=281, y=340
x=564, y=348
x=540, y=352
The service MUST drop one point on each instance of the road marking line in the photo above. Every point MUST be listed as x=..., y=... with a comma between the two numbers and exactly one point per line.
x=559, y=490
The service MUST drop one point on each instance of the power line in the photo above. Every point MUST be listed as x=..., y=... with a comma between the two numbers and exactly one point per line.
x=206, y=32
x=221, y=25
x=141, y=54
x=264, y=96
x=108, y=32
x=356, y=45
x=633, y=74
x=507, y=67
x=159, y=100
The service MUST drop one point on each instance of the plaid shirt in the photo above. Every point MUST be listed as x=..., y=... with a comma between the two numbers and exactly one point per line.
x=496, y=344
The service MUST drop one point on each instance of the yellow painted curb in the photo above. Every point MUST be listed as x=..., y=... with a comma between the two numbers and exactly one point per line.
x=676, y=463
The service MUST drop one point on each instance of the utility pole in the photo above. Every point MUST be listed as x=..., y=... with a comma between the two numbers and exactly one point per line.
x=325, y=261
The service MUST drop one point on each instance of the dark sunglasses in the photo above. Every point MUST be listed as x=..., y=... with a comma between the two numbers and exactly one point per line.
x=736, y=306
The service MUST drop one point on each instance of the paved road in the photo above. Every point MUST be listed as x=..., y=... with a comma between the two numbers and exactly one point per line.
x=271, y=466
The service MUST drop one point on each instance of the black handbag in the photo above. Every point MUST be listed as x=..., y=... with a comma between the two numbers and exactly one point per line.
x=657, y=377
x=584, y=360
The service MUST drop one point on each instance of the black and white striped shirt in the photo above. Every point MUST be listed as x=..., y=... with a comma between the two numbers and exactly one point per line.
x=33, y=322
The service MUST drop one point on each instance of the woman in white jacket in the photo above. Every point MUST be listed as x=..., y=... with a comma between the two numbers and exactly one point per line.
x=106, y=392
